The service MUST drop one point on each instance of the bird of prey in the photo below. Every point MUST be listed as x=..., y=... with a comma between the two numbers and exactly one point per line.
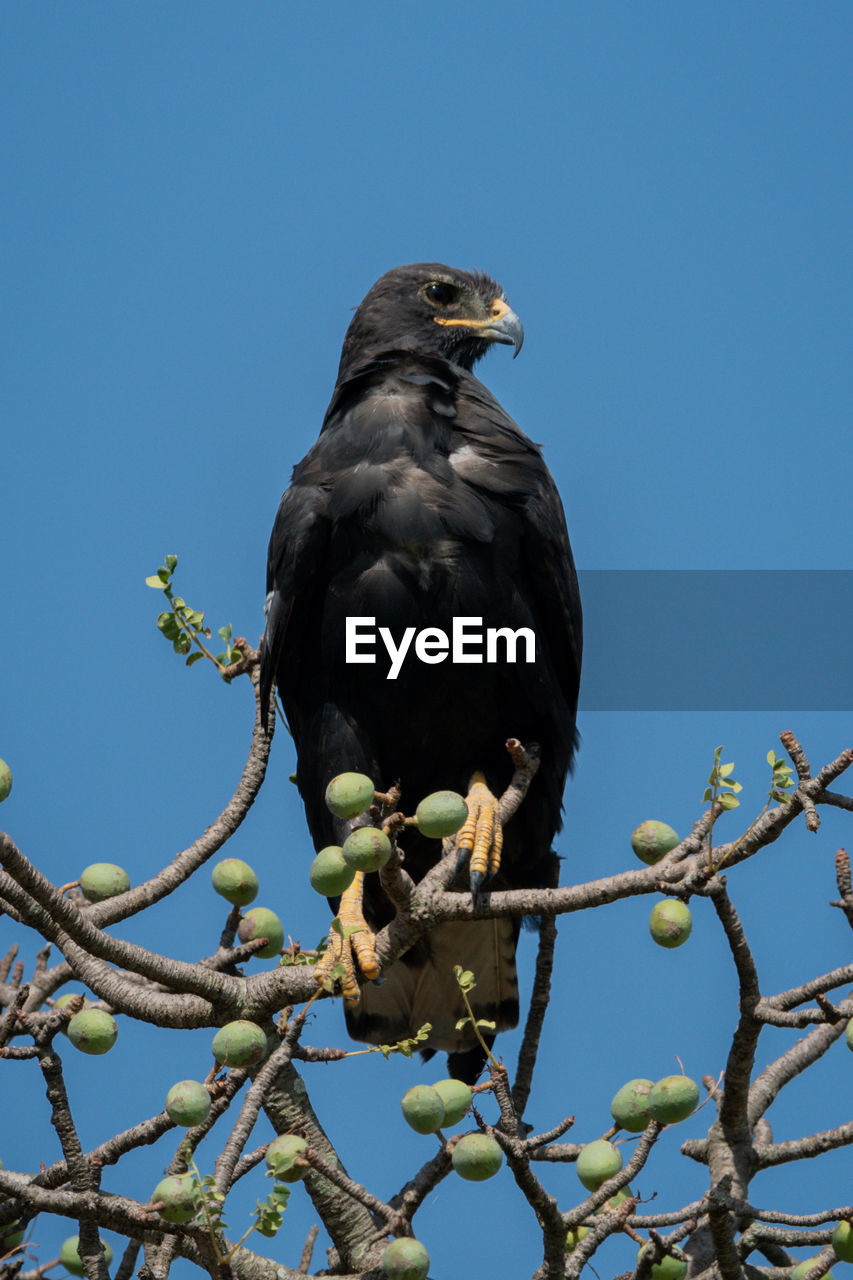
x=423, y=503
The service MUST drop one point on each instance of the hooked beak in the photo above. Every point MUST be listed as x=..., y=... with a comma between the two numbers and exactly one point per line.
x=501, y=325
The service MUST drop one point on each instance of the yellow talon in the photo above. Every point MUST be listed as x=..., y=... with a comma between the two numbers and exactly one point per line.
x=482, y=834
x=353, y=951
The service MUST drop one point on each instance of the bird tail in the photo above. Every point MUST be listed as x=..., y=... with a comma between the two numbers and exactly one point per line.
x=418, y=989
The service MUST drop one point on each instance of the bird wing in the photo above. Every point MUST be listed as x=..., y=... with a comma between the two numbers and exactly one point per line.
x=494, y=454
x=297, y=546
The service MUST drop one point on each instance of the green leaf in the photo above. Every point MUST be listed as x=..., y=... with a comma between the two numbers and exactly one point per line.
x=194, y=657
x=726, y=770
x=168, y=624
x=463, y=1022
x=337, y=927
x=196, y=619
x=224, y=633
x=179, y=602
x=182, y=644
x=154, y=581
x=464, y=977
x=163, y=574
x=171, y=563
x=728, y=801
x=708, y=794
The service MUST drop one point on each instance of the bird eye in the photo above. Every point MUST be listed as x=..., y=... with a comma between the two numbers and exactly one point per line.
x=439, y=293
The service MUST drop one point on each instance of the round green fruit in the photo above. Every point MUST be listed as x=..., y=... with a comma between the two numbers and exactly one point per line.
x=260, y=922
x=597, y=1162
x=673, y=1098
x=441, y=814
x=188, y=1103
x=803, y=1268
x=92, y=1031
x=235, y=881
x=281, y=1155
x=630, y=1106
x=618, y=1197
x=102, y=880
x=456, y=1098
x=69, y=1255
x=11, y=1236
x=848, y=1034
x=5, y=780
x=670, y=922
x=477, y=1157
x=842, y=1241
x=240, y=1044
x=405, y=1259
x=349, y=794
x=574, y=1237
x=329, y=873
x=61, y=1001
x=669, y=1267
x=366, y=849
x=181, y=1197
x=652, y=841
x=423, y=1109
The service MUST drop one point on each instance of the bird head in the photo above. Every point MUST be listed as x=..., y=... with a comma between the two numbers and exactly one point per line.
x=434, y=309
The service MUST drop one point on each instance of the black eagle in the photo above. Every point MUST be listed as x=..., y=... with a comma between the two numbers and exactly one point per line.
x=420, y=503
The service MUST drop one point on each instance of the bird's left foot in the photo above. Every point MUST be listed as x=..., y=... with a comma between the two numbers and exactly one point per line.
x=482, y=835
x=352, y=947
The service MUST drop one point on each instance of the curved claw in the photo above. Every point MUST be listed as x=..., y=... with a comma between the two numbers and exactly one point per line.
x=482, y=835
x=353, y=948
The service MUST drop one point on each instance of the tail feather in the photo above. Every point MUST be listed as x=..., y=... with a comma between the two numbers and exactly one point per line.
x=410, y=995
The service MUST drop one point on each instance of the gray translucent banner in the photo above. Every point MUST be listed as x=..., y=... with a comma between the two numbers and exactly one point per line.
x=717, y=640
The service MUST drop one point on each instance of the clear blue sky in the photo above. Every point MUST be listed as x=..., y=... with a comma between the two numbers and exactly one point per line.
x=196, y=197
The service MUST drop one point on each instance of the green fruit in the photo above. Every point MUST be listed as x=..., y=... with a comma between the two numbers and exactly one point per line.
x=5, y=780
x=423, y=1108
x=597, y=1162
x=618, y=1197
x=69, y=1255
x=188, y=1103
x=61, y=1001
x=92, y=1031
x=102, y=880
x=181, y=1197
x=260, y=922
x=441, y=814
x=803, y=1268
x=477, y=1157
x=281, y=1154
x=405, y=1259
x=235, y=881
x=669, y=1268
x=673, y=1098
x=652, y=841
x=329, y=873
x=366, y=849
x=456, y=1098
x=670, y=922
x=239, y=1044
x=574, y=1237
x=349, y=794
x=848, y=1034
x=842, y=1241
x=630, y=1108
x=14, y=1235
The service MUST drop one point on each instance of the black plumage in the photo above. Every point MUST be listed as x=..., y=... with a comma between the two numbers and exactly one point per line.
x=422, y=501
